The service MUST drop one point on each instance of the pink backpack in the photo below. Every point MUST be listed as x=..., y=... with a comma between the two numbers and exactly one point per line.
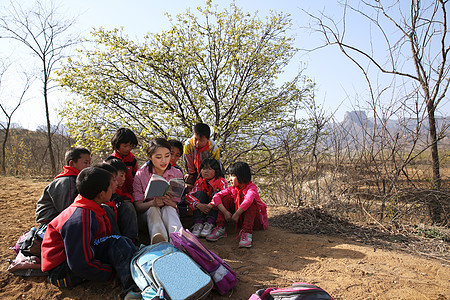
x=223, y=276
x=298, y=291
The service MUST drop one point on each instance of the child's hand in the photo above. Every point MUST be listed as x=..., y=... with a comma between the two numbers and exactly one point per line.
x=235, y=218
x=228, y=216
x=204, y=208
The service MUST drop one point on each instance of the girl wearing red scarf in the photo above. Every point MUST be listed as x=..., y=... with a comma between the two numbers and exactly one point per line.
x=241, y=204
x=208, y=183
x=123, y=141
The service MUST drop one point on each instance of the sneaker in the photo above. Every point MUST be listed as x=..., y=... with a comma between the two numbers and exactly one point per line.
x=132, y=295
x=246, y=240
x=217, y=233
x=158, y=238
x=207, y=227
x=196, y=229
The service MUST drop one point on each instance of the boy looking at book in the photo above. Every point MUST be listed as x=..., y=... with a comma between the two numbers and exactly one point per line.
x=122, y=203
x=61, y=192
x=78, y=243
x=175, y=153
x=196, y=149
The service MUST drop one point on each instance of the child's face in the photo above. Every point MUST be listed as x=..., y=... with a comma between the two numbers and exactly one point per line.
x=175, y=155
x=200, y=141
x=234, y=180
x=83, y=162
x=160, y=159
x=105, y=196
x=208, y=173
x=120, y=178
x=125, y=148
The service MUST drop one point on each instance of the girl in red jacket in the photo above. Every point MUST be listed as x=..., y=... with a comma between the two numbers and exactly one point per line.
x=209, y=182
x=123, y=141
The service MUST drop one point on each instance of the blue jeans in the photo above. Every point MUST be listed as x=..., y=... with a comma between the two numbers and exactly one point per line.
x=197, y=215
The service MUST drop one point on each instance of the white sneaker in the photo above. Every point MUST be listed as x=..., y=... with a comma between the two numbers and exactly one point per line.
x=207, y=227
x=196, y=229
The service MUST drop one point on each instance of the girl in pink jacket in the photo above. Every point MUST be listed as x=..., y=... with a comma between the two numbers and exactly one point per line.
x=240, y=203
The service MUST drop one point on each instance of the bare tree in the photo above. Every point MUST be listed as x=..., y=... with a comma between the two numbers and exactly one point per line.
x=42, y=30
x=416, y=43
x=9, y=111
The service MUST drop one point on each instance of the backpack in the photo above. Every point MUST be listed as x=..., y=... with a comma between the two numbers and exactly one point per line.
x=163, y=272
x=223, y=276
x=298, y=291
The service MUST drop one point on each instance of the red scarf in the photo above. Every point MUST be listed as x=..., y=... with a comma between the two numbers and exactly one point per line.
x=82, y=202
x=68, y=171
x=197, y=160
x=240, y=196
x=127, y=158
x=206, y=187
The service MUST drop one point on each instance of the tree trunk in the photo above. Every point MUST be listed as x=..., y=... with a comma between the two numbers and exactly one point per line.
x=433, y=202
x=49, y=133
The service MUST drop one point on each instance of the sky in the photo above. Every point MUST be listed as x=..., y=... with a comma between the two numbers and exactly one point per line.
x=338, y=81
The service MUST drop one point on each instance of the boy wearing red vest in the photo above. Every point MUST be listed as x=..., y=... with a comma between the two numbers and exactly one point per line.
x=61, y=192
x=198, y=148
x=79, y=244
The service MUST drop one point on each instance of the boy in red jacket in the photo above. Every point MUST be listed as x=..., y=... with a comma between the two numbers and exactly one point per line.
x=78, y=243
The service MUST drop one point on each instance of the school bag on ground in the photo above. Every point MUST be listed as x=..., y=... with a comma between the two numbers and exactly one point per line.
x=161, y=271
x=298, y=291
x=223, y=276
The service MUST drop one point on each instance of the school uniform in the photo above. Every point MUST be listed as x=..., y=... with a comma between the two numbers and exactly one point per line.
x=247, y=198
x=81, y=237
x=130, y=161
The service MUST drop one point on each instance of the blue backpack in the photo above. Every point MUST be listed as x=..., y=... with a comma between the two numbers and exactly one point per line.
x=163, y=272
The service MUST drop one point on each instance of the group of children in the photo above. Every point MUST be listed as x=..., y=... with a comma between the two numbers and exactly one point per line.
x=91, y=213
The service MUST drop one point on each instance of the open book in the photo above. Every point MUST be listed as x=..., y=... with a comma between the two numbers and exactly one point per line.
x=158, y=186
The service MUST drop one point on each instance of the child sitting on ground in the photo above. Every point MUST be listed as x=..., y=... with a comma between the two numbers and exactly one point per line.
x=61, y=192
x=124, y=211
x=123, y=141
x=209, y=182
x=241, y=204
x=175, y=153
x=199, y=147
x=78, y=243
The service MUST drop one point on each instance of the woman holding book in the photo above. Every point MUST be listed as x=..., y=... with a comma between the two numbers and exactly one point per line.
x=160, y=212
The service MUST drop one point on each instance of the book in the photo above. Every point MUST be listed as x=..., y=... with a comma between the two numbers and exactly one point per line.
x=158, y=186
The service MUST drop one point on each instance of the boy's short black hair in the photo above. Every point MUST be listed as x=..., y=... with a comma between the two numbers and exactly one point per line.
x=202, y=129
x=107, y=167
x=176, y=144
x=92, y=181
x=213, y=164
x=242, y=171
x=74, y=154
x=123, y=136
x=116, y=163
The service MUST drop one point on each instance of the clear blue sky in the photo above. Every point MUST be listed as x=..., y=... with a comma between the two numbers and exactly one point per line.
x=338, y=80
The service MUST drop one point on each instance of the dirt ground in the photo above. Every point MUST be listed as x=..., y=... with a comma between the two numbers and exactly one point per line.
x=346, y=266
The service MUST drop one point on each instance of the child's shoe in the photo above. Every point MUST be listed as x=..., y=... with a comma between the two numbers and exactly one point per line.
x=207, y=227
x=246, y=240
x=197, y=228
x=132, y=295
x=217, y=233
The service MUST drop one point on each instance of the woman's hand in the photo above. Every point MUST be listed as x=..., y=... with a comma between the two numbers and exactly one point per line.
x=168, y=200
x=159, y=201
